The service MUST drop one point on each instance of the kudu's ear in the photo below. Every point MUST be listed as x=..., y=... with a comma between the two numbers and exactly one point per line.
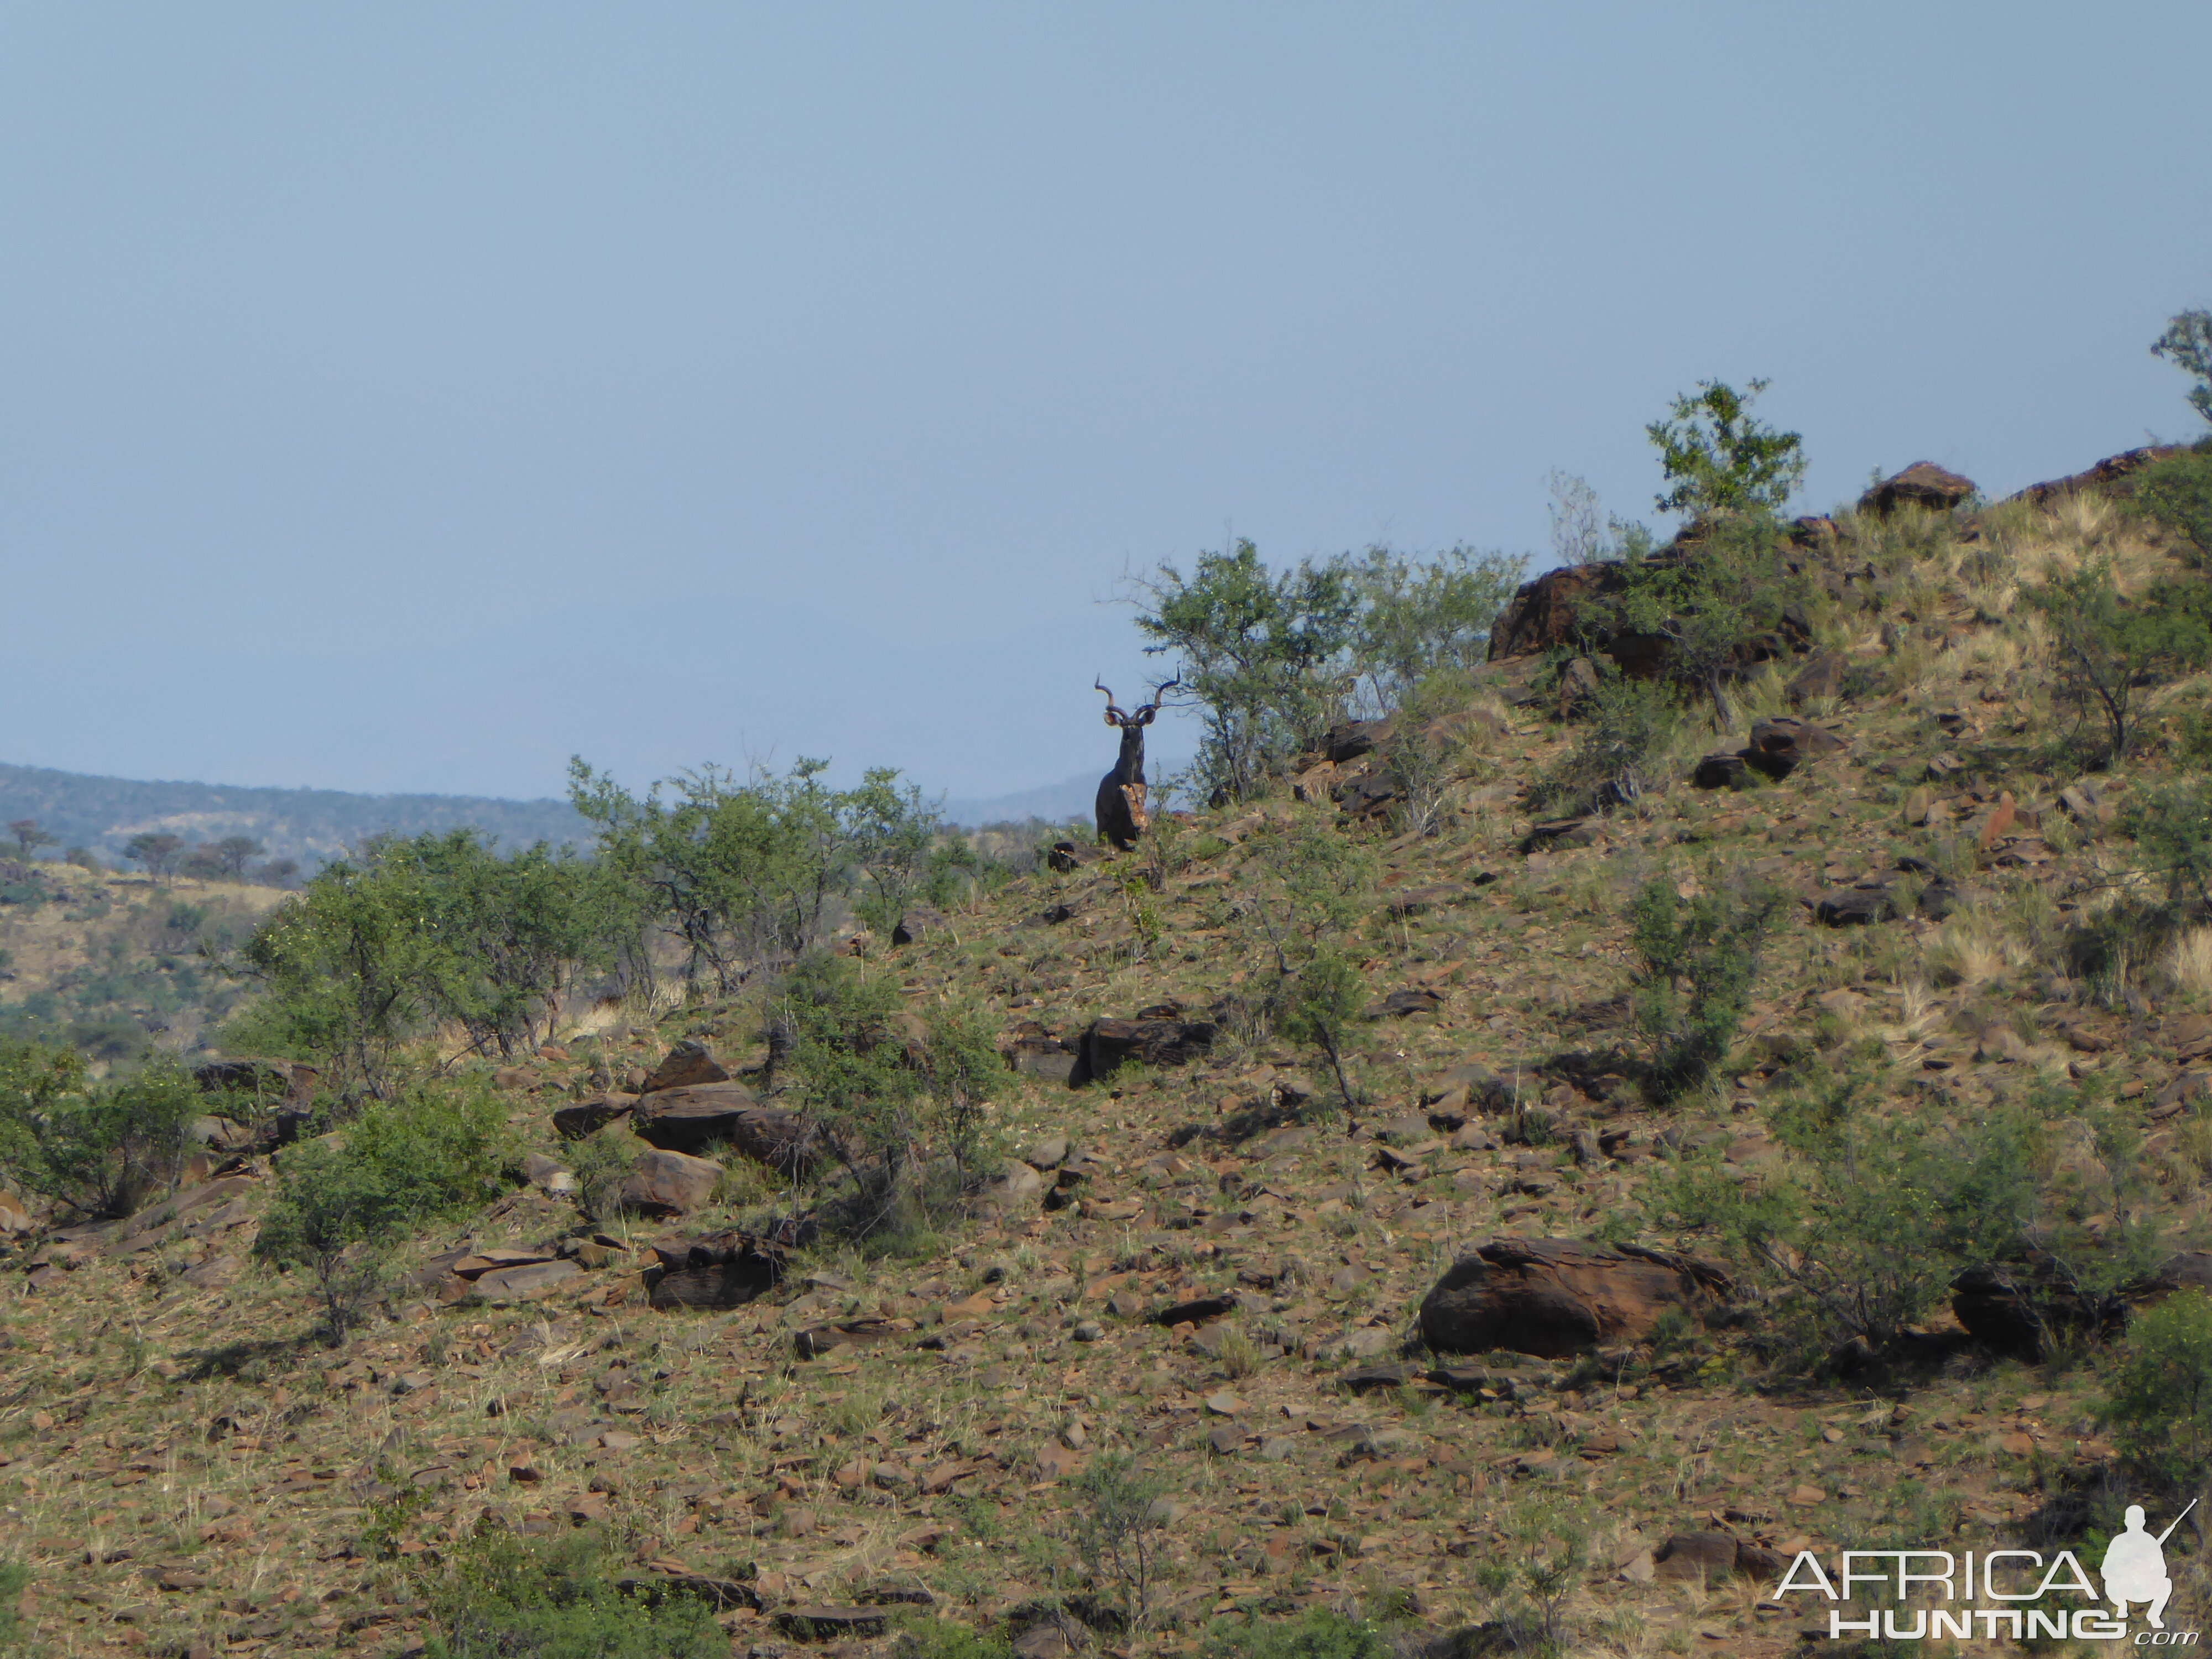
x=1110, y=721
x=1144, y=715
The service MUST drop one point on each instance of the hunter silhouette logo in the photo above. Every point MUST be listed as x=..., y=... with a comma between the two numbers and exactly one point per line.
x=2014, y=1594
x=2135, y=1567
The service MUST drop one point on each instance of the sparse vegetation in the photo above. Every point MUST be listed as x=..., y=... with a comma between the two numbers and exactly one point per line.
x=1043, y=1270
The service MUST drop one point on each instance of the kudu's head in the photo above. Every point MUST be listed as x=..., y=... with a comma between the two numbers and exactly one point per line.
x=1130, y=765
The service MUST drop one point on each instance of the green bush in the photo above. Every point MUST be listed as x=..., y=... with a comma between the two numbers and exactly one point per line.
x=342, y=1200
x=14, y=1579
x=1873, y=1214
x=1320, y=1633
x=381, y=947
x=2177, y=492
x=2172, y=830
x=1696, y=960
x=1720, y=457
x=2106, y=647
x=1306, y=887
x=926, y=1637
x=1626, y=727
x=1119, y=1533
x=2159, y=1407
x=2187, y=343
x=100, y=1149
x=498, y=1596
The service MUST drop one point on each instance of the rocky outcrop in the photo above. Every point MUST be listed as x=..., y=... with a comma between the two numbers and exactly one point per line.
x=2019, y=1308
x=722, y=1114
x=1922, y=484
x=2113, y=469
x=1109, y=1043
x=1554, y=1297
x=687, y=1066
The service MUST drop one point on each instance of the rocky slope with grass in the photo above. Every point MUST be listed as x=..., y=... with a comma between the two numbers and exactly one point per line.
x=1759, y=1124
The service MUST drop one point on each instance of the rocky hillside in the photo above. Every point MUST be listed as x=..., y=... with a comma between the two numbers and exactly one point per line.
x=1612, y=1287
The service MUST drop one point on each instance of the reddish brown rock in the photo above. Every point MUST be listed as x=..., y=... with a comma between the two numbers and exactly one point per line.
x=722, y=1114
x=721, y=1270
x=686, y=1066
x=1554, y=1297
x=1544, y=611
x=2113, y=469
x=666, y=1183
x=1922, y=484
x=587, y=1117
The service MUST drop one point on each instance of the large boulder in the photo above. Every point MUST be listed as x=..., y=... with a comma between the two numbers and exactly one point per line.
x=1922, y=484
x=687, y=1065
x=722, y=1114
x=720, y=1270
x=1556, y=1296
x=1544, y=612
x=588, y=1117
x=1781, y=745
x=1111, y=1043
x=664, y=1183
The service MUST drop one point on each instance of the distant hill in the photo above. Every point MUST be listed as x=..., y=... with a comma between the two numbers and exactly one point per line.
x=1054, y=803
x=311, y=825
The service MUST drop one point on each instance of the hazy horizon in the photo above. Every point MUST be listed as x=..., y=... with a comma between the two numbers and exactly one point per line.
x=403, y=401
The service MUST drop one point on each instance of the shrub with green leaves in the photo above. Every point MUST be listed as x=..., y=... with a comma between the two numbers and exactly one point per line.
x=98, y=1149
x=1307, y=886
x=1318, y=1634
x=14, y=1579
x=1273, y=658
x=2176, y=492
x=2106, y=647
x=2171, y=827
x=1120, y=1532
x=499, y=1596
x=381, y=947
x=2159, y=1407
x=1720, y=457
x=1696, y=960
x=1874, y=1213
x=1624, y=729
x=343, y=1199
x=2187, y=344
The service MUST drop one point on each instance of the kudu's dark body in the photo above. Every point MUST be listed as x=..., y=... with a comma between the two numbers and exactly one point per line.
x=1120, y=809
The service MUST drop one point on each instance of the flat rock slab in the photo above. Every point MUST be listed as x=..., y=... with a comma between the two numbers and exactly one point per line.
x=829, y=1621
x=717, y=1116
x=526, y=1284
x=1555, y=1296
x=589, y=1117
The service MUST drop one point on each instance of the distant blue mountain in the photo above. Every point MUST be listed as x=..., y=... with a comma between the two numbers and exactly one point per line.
x=311, y=825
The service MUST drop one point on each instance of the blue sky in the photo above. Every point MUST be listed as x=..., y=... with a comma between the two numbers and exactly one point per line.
x=402, y=397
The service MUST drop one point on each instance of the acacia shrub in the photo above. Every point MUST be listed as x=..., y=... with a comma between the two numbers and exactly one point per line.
x=98, y=1149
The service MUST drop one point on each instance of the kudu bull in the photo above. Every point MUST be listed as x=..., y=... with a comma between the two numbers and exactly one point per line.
x=1120, y=806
